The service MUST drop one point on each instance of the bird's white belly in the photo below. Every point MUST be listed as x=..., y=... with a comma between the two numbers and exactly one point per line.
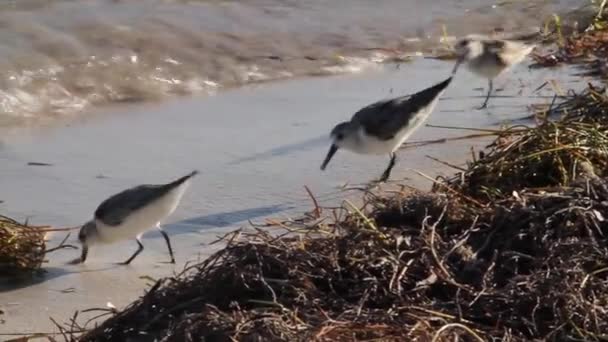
x=371, y=145
x=143, y=219
x=486, y=69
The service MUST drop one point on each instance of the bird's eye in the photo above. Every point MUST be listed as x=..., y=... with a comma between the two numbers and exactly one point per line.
x=340, y=136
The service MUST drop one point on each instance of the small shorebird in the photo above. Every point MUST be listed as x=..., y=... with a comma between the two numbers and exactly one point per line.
x=132, y=212
x=489, y=58
x=384, y=125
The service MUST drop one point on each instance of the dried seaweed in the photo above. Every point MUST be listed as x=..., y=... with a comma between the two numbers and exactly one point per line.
x=587, y=48
x=554, y=153
x=514, y=248
x=413, y=267
x=22, y=248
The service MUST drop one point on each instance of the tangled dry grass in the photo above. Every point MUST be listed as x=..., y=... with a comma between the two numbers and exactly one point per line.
x=525, y=261
x=515, y=248
x=422, y=267
x=22, y=248
x=585, y=45
x=554, y=153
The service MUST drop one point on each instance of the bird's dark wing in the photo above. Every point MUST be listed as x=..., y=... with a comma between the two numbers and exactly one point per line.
x=494, y=46
x=114, y=210
x=384, y=119
x=494, y=51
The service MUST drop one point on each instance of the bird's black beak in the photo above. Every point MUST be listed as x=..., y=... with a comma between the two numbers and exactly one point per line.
x=458, y=62
x=85, y=251
x=332, y=150
x=83, y=256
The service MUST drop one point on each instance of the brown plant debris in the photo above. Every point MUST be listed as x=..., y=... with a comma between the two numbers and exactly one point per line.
x=554, y=153
x=587, y=48
x=22, y=247
x=516, y=250
x=403, y=268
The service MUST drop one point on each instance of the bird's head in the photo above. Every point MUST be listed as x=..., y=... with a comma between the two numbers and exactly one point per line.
x=87, y=235
x=466, y=49
x=344, y=135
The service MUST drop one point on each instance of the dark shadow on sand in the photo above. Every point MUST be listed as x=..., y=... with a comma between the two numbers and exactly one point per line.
x=8, y=284
x=285, y=149
x=219, y=220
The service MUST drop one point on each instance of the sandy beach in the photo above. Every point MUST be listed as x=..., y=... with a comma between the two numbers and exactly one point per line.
x=256, y=147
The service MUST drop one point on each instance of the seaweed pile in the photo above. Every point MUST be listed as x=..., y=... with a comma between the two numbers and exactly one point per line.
x=587, y=48
x=463, y=264
x=417, y=268
x=22, y=248
x=554, y=153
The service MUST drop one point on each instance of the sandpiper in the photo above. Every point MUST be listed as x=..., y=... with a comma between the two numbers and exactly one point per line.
x=384, y=125
x=489, y=58
x=132, y=212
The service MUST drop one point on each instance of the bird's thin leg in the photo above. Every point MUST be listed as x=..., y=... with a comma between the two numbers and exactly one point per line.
x=139, y=249
x=167, y=241
x=490, y=88
x=387, y=172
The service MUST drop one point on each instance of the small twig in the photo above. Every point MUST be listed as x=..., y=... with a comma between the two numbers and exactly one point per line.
x=415, y=144
x=541, y=87
x=487, y=130
x=588, y=276
x=445, y=271
x=47, y=229
x=446, y=163
x=38, y=164
x=600, y=12
x=318, y=209
x=465, y=197
x=456, y=325
x=433, y=251
x=429, y=311
x=365, y=219
x=463, y=240
x=61, y=245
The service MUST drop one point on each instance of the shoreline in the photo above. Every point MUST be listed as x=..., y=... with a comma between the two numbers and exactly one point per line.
x=64, y=92
x=303, y=111
x=517, y=245
x=256, y=165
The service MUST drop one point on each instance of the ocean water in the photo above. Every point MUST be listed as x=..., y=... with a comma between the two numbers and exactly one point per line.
x=60, y=57
x=256, y=146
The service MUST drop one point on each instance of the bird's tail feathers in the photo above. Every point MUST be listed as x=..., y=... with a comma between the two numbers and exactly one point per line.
x=433, y=91
x=183, y=179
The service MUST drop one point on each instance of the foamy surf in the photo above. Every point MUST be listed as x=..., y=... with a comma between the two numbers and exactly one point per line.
x=58, y=58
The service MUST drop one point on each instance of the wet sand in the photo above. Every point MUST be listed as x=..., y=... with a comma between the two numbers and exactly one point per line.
x=256, y=148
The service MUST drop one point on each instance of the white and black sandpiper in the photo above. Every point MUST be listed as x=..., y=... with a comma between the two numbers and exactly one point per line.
x=488, y=58
x=384, y=126
x=131, y=213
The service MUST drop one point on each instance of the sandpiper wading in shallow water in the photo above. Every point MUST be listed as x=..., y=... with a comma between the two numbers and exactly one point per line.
x=132, y=212
x=489, y=58
x=383, y=126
